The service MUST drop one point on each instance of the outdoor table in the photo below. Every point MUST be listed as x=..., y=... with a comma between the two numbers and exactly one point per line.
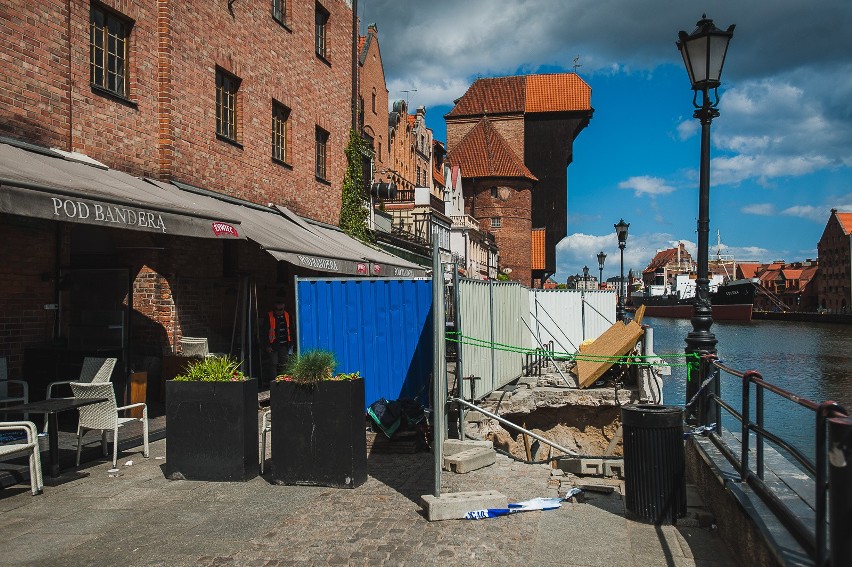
x=52, y=407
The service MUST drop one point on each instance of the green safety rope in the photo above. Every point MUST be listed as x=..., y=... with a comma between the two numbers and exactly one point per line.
x=690, y=359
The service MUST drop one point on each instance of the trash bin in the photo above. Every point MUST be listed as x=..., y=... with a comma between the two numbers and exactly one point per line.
x=654, y=467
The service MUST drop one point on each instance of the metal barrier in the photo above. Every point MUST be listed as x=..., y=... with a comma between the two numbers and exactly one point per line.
x=537, y=360
x=709, y=412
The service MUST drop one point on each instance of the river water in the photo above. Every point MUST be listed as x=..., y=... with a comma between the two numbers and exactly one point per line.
x=812, y=360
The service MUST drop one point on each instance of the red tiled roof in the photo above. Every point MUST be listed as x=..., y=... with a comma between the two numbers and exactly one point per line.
x=666, y=257
x=411, y=119
x=438, y=176
x=484, y=153
x=538, y=240
x=845, y=221
x=362, y=39
x=748, y=269
x=559, y=92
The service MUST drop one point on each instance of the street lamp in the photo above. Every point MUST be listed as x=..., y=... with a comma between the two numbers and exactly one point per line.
x=585, y=277
x=703, y=54
x=621, y=232
x=601, y=258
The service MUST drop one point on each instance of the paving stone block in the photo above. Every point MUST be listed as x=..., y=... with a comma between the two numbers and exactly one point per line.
x=454, y=506
x=453, y=446
x=592, y=466
x=470, y=460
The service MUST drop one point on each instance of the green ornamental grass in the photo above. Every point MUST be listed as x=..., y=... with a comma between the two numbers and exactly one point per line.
x=213, y=369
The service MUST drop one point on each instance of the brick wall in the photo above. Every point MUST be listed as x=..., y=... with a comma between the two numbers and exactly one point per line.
x=34, y=78
x=370, y=80
x=512, y=205
x=29, y=246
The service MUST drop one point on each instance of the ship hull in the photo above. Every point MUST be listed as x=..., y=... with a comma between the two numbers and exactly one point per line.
x=730, y=303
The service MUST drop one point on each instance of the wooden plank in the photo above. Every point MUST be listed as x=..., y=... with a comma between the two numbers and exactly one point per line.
x=639, y=315
x=618, y=340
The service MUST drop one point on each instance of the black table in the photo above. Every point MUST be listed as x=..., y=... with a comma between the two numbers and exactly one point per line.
x=52, y=407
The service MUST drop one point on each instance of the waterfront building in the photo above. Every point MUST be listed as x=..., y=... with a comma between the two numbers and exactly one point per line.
x=835, y=260
x=215, y=110
x=513, y=137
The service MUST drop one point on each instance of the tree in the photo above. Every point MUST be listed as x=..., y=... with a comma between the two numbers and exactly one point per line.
x=354, y=212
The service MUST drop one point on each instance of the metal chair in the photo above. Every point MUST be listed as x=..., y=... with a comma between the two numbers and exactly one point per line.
x=29, y=447
x=104, y=417
x=95, y=370
x=265, y=427
x=194, y=346
x=5, y=397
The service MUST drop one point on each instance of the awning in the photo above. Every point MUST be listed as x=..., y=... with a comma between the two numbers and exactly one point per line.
x=380, y=262
x=41, y=183
x=290, y=238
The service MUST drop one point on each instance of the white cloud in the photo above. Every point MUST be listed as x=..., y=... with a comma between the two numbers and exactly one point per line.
x=687, y=129
x=646, y=185
x=817, y=214
x=763, y=209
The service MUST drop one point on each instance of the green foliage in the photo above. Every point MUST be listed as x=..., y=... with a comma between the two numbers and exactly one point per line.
x=213, y=369
x=502, y=278
x=310, y=367
x=353, y=211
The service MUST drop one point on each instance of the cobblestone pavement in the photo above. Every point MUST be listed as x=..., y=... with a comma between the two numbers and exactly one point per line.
x=140, y=518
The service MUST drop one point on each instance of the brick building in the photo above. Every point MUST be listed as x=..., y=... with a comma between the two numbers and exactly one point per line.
x=835, y=261
x=373, y=103
x=516, y=136
x=224, y=108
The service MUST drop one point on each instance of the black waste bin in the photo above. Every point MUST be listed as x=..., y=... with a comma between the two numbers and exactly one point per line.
x=654, y=468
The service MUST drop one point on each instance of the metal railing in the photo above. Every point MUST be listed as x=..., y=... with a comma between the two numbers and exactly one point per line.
x=708, y=408
x=537, y=360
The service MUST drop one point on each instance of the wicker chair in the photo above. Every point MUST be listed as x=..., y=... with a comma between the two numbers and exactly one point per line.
x=104, y=417
x=95, y=370
x=29, y=447
x=266, y=427
x=5, y=396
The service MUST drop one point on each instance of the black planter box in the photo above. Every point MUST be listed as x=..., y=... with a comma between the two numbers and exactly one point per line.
x=319, y=433
x=211, y=430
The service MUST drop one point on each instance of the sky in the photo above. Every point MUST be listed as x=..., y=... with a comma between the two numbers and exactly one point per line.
x=781, y=149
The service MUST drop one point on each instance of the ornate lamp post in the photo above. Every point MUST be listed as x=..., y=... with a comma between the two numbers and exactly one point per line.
x=601, y=258
x=621, y=232
x=703, y=54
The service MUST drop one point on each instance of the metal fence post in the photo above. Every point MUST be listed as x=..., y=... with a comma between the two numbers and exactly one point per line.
x=840, y=491
x=491, y=316
x=459, y=364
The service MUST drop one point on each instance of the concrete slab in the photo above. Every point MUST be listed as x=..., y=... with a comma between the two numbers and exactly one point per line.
x=592, y=466
x=470, y=460
x=454, y=506
x=454, y=446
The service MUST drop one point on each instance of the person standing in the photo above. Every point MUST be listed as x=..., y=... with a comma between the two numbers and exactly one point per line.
x=279, y=340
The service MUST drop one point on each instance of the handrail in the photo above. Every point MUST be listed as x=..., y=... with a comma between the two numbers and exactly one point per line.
x=710, y=404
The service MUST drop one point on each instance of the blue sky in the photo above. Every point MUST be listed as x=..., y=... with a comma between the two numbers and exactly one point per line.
x=781, y=150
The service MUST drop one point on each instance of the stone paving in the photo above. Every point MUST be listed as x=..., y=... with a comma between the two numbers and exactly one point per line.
x=139, y=518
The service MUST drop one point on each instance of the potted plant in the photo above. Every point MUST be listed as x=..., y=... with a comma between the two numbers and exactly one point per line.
x=318, y=427
x=211, y=422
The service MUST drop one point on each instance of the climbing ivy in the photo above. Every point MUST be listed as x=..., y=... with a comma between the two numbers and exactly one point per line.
x=354, y=211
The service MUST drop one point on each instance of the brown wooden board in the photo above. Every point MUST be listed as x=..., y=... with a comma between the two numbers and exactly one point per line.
x=639, y=315
x=618, y=340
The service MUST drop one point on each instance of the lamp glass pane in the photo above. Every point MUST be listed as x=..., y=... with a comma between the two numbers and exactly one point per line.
x=698, y=58
x=685, y=54
x=718, y=47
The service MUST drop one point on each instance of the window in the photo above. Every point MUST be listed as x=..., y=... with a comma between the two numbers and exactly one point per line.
x=496, y=222
x=494, y=192
x=108, y=50
x=360, y=113
x=321, y=22
x=227, y=86
x=374, y=100
x=322, y=143
x=418, y=176
x=280, y=132
x=279, y=8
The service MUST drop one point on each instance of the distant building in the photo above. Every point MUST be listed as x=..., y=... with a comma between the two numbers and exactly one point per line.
x=835, y=260
x=787, y=286
x=513, y=137
x=666, y=264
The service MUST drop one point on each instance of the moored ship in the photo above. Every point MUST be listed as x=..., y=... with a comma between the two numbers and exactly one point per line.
x=669, y=289
x=731, y=301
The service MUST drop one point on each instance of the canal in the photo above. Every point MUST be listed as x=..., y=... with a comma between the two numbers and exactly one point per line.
x=809, y=359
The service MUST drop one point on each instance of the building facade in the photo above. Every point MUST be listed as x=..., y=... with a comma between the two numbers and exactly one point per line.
x=835, y=261
x=514, y=138
x=180, y=111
